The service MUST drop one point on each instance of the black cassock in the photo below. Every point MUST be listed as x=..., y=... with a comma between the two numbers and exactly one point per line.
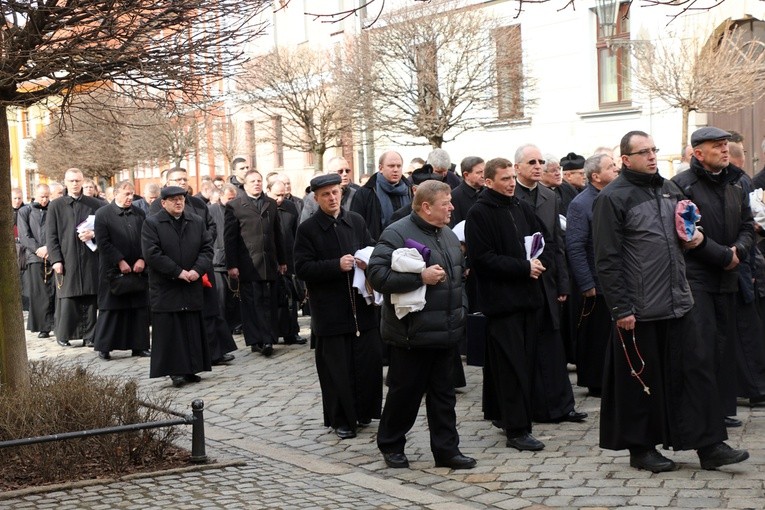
x=349, y=366
x=39, y=275
x=123, y=321
x=77, y=289
x=179, y=338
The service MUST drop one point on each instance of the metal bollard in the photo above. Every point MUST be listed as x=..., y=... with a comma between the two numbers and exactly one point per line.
x=198, y=454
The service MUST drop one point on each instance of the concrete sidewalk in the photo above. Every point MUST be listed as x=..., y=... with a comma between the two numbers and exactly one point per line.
x=264, y=424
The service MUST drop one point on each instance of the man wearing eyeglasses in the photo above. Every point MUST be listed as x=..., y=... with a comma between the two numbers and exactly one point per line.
x=659, y=385
x=552, y=395
x=715, y=187
x=337, y=165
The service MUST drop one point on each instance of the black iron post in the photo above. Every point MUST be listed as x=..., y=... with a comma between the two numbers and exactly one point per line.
x=198, y=454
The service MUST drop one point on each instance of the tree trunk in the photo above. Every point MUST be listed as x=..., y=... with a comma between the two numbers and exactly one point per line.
x=14, y=370
x=686, y=114
x=318, y=161
x=436, y=141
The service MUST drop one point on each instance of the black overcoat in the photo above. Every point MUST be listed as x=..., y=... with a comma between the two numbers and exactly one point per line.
x=119, y=238
x=320, y=243
x=253, y=239
x=31, y=225
x=167, y=251
x=555, y=278
x=80, y=263
x=288, y=221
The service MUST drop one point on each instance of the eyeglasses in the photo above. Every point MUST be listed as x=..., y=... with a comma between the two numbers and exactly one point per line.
x=344, y=171
x=644, y=152
x=536, y=162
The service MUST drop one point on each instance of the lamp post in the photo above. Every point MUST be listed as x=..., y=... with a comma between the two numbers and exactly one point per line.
x=607, y=11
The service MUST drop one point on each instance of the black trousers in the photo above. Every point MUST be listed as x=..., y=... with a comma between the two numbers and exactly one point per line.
x=230, y=307
x=259, y=314
x=507, y=371
x=682, y=410
x=350, y=376
x=551, y=394
x=594, y=330
x=750, y=350
x=75, y=318
x=716, y=313
x=42, y=298
x=413, y=373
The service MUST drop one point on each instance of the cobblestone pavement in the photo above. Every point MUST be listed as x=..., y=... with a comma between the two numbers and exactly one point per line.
x=264, y=426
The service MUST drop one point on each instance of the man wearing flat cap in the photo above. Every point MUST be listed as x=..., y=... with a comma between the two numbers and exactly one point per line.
x=178, y=250
x=714, y=185
x=348, y=346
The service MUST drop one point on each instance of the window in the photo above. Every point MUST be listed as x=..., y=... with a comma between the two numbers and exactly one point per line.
x=507, y=41
x=614, y=75
x=26, y=131
x=278, y=141
x=251, y=142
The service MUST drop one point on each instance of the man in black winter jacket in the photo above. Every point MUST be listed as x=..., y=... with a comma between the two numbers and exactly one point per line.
x=712, y=268
x=658, y=384
x=422, y=342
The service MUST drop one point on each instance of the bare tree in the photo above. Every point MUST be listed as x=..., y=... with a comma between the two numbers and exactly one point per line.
x=724, y=74
x=298, y=86
x=436, y=70
x=222, y=136
x=173, y=49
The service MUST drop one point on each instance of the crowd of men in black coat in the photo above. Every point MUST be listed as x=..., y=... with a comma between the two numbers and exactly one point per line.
x=562, y=261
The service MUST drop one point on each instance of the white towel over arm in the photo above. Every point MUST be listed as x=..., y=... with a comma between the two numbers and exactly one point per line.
x=360, y=279
x=407, y=260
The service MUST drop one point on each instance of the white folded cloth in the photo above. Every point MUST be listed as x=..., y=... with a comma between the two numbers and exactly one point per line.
x=407, y=260
x=360, y=279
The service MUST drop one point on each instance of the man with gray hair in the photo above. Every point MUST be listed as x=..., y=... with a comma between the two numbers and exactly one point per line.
x=150, y=194
x=336, y=165
x=552, y=395
x=442, y=165
x=595, y=326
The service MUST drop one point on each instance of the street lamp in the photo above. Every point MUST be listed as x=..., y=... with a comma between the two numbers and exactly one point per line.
x=607, y=11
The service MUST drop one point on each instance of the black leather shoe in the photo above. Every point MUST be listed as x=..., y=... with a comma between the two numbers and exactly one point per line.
x=457, y=462
x=526, y=442
x=720, y=454
x=43, y=334
x=757, y=401
x=268, y=350
x=345, y=432
x=226, y=358
x=295, y=341
x=732, y=422
x=364, y=423
x=192, y=378
x=573, y=416
x=178, y=380
x=497, y=424
x=256, y=348
x=237, y=331
x=651, y=460
x=396, y=460
x=104, y=355
x=88, y=343
x=145, y=353
x=63, y=343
